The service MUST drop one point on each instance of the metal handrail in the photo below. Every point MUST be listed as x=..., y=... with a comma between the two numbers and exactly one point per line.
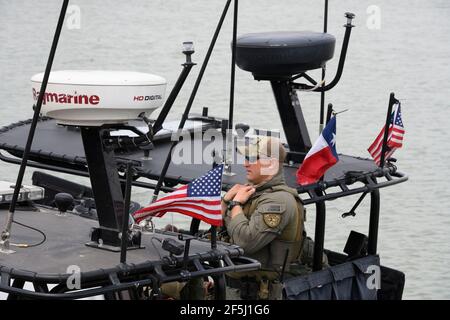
x=367, y=188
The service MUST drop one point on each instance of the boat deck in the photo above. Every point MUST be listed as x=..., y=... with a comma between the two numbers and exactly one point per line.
x=65, y=246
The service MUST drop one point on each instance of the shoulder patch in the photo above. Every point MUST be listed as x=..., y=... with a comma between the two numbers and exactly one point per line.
x=271, y=213
x=272, y=220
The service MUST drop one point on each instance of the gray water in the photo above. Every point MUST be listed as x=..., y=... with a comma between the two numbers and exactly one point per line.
x=408, y=55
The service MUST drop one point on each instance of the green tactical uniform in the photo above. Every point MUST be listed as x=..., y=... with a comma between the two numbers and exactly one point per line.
x=270, y=226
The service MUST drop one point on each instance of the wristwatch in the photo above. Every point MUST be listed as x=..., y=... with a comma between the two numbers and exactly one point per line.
x=232, y=204
x=226, y=201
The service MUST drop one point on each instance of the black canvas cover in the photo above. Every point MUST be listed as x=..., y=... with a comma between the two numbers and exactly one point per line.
x=346, y=281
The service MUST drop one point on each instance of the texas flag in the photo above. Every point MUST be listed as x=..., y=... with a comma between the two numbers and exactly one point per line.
x=321, y=157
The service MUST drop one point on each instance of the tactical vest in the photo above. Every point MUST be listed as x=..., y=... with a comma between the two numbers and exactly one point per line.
x=291, y=238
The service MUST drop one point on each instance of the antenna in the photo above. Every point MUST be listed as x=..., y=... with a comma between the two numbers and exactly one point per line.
x=229, y=141
x=191, y=100
x=6, y=233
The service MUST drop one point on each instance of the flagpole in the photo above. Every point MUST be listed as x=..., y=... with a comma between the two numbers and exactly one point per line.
x=213, y=237
x=384, y=147
x=329, y=112
x=322, y=93
x=214, y=228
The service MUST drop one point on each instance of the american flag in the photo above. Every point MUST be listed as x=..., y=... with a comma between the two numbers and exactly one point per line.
x=200, y=199
x=395, y=137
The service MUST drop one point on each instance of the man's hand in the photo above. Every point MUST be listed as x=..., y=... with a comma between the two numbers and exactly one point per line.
x=229, y=196
x=244, y=194
x=232, y=192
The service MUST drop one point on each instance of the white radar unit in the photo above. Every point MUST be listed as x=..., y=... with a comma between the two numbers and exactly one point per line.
x=94, y=98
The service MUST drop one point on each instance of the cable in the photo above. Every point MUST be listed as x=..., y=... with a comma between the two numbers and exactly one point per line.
x=313, y=88
x=26, y=245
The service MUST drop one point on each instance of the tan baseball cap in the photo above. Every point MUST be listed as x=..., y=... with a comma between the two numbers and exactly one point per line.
x=256, y=147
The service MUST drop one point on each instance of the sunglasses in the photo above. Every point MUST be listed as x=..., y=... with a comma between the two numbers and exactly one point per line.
x=252, y=159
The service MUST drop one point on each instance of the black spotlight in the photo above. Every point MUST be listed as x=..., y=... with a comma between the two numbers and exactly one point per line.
x=63, y=201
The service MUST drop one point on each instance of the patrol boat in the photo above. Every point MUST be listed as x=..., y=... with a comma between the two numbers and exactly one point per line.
x=63, y=240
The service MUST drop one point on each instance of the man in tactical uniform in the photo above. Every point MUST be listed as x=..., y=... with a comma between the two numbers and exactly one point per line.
x=265, y=218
